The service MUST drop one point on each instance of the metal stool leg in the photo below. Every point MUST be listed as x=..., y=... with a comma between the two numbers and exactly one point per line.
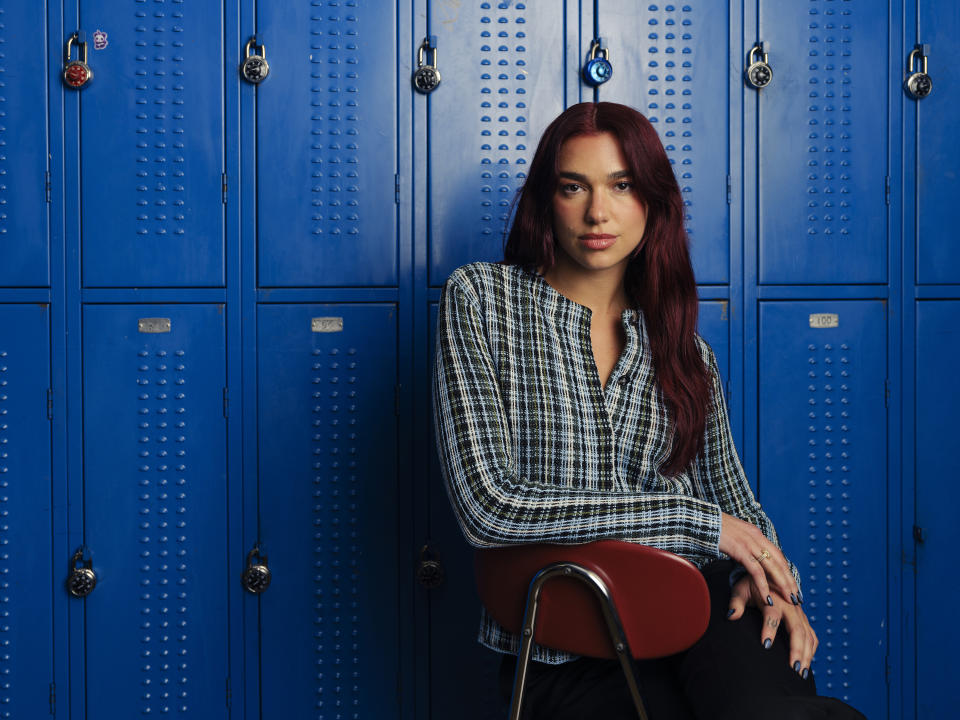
x=614, y=626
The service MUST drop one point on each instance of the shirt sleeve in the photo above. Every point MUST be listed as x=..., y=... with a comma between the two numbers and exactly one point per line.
x=493, y=503
x=721, y=476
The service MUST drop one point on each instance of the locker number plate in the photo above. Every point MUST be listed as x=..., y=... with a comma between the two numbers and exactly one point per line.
x=326, y=324
x=824, y=320
x=154, y=325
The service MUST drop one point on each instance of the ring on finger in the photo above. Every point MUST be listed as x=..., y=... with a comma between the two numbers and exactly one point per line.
x=764, y=555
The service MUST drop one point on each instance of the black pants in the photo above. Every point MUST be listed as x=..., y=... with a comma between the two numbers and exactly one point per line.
x=726, y=675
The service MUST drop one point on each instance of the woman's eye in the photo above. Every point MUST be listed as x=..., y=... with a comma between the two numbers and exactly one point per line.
x=570, y=188
x=624, y=186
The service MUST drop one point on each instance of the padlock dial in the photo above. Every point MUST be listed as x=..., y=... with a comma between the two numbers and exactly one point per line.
x=759, y=75
x=77, y=74
x=919, y=85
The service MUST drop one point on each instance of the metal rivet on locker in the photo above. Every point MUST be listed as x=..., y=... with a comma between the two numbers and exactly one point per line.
x=758, y=73
x=918, y=84
x=598, y=68
x=256, y=576
x=254, y=68
x=427, y=77
x=82, y=579
x=76, y=73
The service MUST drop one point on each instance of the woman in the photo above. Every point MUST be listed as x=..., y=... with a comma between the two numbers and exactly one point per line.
x=575, y=402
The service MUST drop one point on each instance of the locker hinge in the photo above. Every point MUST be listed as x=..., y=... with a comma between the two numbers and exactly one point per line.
x=396, y=188
x=729, y=190
x=886, y=393
x=886, y=186
x=46, y=185
x=919, y=534
x=49, y=403
x=396, y=400
x=53, y=698
x=223, y=186
x=229, y=694
x=226, y=403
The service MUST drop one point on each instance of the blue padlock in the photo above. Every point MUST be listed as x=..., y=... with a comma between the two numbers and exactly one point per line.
x=598, y=68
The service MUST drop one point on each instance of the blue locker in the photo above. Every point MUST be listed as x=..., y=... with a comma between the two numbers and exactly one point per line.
x=24, y=223
x=937, y=146
x=26, y=613
x=152, y=161
x=503, y=82
x=464, y=676
x=937, y=500
x=665, y=64
x=327, y=145
x=823, y=143
x=328, y=510
x=823, y=480
x=155, y=514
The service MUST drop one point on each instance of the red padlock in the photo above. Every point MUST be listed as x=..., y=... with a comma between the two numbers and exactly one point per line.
x=76, y=73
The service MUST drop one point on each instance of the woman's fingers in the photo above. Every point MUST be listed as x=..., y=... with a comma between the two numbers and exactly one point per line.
x=762, y=559
x=739, y=597
x=803, y=640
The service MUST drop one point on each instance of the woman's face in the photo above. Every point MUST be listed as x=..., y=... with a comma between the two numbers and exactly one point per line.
x=598, y=219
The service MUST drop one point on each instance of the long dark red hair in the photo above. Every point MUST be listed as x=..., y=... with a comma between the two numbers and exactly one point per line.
x=659, y=278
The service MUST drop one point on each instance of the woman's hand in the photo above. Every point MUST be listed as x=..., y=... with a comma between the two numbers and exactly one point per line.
x=803, y=640
x=763, y=560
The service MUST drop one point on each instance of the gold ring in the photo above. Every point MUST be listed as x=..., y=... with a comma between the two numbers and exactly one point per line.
x=765, y=555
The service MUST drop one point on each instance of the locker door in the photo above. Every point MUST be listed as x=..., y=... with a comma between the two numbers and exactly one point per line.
x=503, y=82
x=327, y=144
x=151, y=134
x=938, y=497
x=24, y=226
x=26, y=612
x=665, y=65
x=822, y=143
x=328, y=507
x=823, y=480
x=155, y=520
x=938, y=147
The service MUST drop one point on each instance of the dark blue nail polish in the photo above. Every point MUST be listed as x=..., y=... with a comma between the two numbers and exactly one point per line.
x=767, y=643
x=793, y=599
x=769, y=601
x=806, y=671
x=796, y=666
x=730, y=612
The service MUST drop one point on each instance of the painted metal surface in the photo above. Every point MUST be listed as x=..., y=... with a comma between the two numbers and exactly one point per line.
x=151, y=124
x=823, y=478
x=822, y=143
x=937, y=147
x=503, y=70
x=938, y=497
x=154, y=500
x=665, y=59
x=328, y=510
x=24, y=226
x=26, y=613
x=327, y=145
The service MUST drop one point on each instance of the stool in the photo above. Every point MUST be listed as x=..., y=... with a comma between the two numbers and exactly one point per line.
x=605, y=599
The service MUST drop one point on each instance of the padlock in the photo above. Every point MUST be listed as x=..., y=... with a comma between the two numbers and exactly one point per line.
x=758, y=73
x=427, y=77
x=918, y=84
x=82, y=580
x=598, y=68
x=256, y=576
x=254, y=68
x=430, y=572
x=76, y=73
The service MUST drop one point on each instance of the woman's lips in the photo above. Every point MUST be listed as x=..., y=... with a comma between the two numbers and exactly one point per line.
x=598, y=242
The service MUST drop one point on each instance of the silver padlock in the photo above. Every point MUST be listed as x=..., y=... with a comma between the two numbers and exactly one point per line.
x=427, y=77
x=76, y=73
x=256, y=576
x=255, y=68
x=82, y=580
x=918, y=84
x=758, y=73
x=430, y=572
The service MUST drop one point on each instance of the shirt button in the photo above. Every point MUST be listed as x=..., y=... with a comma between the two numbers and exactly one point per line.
x=624, y=379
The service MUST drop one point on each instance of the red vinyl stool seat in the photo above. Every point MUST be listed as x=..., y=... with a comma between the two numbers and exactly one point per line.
x=605, y=599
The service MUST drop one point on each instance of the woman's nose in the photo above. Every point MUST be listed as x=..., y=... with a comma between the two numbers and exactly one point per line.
x=596, y=209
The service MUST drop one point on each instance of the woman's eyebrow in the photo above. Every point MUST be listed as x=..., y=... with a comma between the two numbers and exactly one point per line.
x=583, y=178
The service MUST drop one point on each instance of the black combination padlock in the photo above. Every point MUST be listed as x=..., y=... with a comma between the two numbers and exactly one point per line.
x=82, y=580
x=758, y=73
x=918, y=84
x=256, y=576
x=427, y=76
x=255, y=68
x=430, y=572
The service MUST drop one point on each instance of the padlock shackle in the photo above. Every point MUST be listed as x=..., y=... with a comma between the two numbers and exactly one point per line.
x=923, y=59
x=422, y=51
x=252, y=43
x=81, y=44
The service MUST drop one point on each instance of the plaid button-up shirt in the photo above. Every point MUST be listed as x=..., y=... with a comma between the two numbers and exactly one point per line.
x=534, y=449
